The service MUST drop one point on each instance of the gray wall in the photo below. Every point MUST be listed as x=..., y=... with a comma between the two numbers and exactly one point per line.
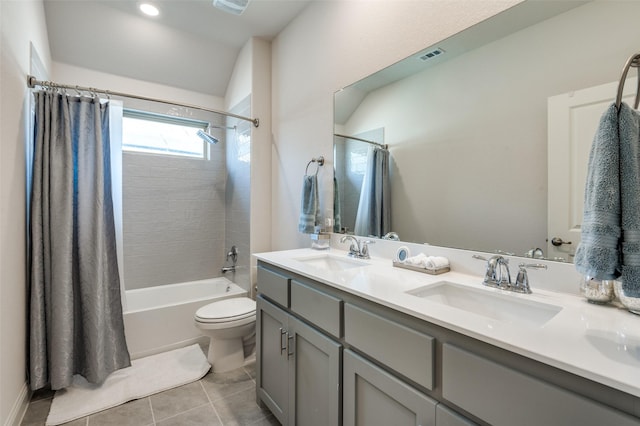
x=173, y=217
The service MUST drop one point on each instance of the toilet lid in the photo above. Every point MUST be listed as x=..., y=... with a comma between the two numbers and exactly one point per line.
x=227, y=310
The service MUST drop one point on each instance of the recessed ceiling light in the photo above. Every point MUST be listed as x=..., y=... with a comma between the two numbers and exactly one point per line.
x=149, y=9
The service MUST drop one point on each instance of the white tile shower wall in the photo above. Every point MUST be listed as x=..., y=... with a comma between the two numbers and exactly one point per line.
x=173, y=218
x=238, y=192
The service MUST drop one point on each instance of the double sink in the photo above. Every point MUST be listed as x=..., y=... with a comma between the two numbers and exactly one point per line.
x=489, y=303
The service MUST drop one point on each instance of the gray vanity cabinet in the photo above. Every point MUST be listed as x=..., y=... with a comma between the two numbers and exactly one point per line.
x=272, y=369
x=373, y=397
x=504, y=396
x=298, y=369
x=327, y=357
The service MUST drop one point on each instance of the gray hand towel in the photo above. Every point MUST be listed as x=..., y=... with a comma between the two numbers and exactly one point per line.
x=629, y=134
x=610, y=245
x=598, y=254
x=309, y=205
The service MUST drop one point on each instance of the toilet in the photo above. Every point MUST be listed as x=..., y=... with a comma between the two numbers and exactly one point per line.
x=231, y=326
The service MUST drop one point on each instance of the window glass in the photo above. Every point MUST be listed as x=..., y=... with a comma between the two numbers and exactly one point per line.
x=159, y=134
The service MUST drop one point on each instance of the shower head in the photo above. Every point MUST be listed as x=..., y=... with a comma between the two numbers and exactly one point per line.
x=206, y=137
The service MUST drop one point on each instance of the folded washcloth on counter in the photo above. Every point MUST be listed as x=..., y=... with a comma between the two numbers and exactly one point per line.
x=428, y=262
x=417, y=260
x=437, y=262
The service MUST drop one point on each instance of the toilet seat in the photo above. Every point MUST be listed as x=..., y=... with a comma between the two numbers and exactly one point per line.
x=235, y=309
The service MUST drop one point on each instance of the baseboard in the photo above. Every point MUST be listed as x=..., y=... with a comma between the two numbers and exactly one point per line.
x=19, y=407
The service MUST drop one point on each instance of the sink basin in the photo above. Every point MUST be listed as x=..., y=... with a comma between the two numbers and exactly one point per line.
x=331, y=262
x=497, y=306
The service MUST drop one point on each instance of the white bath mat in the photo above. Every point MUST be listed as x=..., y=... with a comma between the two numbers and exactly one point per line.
x=146, y=376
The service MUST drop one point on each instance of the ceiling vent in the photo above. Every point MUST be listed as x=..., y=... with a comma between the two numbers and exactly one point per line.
x=431, y=54
x=235, y=7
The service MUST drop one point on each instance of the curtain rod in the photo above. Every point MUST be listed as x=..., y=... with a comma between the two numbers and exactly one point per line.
x=33, y=82
x=385, y=146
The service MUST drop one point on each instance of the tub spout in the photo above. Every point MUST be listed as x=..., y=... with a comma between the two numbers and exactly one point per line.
x=229, y=269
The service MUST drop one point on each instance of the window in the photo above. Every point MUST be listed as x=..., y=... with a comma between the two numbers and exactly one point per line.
x=162, y=134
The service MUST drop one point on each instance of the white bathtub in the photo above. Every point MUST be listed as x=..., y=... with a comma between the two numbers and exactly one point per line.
x=158, y=319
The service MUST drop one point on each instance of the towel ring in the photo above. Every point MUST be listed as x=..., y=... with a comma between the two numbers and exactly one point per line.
x=633, y=61
x=319, y=162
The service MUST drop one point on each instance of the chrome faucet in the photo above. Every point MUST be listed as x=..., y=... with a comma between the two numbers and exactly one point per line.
x=233, y=255
x=535, y=253
x=358, y=248
x=498, y=276
x=393, y=236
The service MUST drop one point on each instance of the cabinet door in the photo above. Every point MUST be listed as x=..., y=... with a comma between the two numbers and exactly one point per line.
x=374, y=397
x=314, y=378
x=271, y=358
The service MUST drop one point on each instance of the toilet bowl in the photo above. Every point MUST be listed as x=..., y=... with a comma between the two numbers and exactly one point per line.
x=231, y=325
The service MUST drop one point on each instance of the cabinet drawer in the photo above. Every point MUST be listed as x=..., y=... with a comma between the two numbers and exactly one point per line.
x=403, y=349
x=319, y=308
x=273, y=285
x=502, y=396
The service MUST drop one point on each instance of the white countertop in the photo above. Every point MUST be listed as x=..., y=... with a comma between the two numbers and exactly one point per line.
x=600, y=343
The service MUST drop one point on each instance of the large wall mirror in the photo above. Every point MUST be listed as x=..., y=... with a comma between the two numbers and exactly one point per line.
x=465, y=123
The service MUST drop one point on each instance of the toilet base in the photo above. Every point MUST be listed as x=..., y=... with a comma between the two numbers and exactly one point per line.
x=225, y=354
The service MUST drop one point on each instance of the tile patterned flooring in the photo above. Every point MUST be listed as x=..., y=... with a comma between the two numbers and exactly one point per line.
x=222, y=399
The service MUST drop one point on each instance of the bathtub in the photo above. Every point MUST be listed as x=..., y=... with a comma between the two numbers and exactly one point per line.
x=158, y=319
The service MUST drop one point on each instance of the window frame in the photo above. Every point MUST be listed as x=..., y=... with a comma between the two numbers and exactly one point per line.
x=165, y=119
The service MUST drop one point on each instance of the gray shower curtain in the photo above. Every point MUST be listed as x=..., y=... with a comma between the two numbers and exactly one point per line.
x=76, y=323
x=374, y=209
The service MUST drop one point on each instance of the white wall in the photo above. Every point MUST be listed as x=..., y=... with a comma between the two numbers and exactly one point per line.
x=21, y=22
x=328, y=46
x=70, y=74
x=498, y=156
x=239, y=86
x=252, y=78
x=261, y=232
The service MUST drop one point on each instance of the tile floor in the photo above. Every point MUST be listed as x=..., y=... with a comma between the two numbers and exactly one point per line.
x=222, y=399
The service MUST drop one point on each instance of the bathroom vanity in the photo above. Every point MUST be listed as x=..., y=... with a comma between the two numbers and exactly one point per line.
x=354, y=342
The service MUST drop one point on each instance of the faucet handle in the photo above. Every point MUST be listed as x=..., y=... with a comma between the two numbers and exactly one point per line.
x=364, y=248
x=522, y=280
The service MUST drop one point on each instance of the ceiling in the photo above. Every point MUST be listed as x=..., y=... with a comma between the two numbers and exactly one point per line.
x=190, y=45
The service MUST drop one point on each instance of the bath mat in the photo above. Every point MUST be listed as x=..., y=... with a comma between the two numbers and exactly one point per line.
x=146, y=376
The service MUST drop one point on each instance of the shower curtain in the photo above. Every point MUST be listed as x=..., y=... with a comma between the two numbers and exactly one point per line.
x=76, y=323
x=374, y=209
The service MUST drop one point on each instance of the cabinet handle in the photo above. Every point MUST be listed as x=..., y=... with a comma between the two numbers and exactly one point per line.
x=289, y=338
x=283, y=347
